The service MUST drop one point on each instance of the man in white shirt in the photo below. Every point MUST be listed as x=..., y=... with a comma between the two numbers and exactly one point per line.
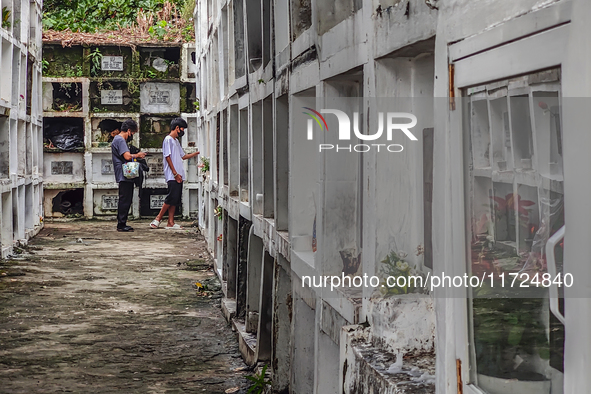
x=174, y=172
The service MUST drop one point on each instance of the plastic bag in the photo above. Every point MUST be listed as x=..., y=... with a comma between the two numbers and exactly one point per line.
x=68, y=142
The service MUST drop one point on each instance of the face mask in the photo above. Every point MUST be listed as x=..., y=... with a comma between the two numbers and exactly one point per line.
x=181, y=133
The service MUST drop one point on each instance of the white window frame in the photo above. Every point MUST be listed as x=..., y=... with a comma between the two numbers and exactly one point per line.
x=475, y=62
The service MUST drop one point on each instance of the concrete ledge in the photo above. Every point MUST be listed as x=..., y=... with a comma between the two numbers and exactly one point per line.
x=247, y=342
x=228, y=309
x=367, y=369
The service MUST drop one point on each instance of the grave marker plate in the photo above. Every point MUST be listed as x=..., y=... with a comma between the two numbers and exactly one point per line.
x=62, y=168
x=157, y=200
x=110, y=202
x=112, y=63
x=156, y=166
x=107, y=167
x=111, y=97
x=157, y=97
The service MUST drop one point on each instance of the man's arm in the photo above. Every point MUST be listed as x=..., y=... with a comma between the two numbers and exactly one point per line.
x=190, y=155
x=121, y=145
x=128, y=156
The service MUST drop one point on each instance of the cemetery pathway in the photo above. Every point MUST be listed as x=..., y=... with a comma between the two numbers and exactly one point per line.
x=85, y=308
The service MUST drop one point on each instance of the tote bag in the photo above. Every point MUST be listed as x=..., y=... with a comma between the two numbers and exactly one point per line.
x=131, y=169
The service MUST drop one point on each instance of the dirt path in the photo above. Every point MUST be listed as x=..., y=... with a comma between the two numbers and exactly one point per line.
x=88, y=309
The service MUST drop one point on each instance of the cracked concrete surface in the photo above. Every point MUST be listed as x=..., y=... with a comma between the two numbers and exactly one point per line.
x=88, y=309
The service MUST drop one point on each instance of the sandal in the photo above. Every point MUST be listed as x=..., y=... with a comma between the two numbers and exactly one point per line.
x=155, y=224
x=174, y=227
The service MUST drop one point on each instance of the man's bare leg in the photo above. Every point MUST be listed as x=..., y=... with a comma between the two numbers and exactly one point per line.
x=163, y=210
x=171, y=209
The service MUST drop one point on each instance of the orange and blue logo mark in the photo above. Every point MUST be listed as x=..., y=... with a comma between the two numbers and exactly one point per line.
x=317, y=117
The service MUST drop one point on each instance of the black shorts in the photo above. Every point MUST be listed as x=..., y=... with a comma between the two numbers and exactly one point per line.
x=175, y=190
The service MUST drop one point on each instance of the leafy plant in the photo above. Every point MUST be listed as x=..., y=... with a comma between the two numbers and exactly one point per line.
x=204, y=164
x=150, y=74
x=158, y=30
x=95, y=58
x=44, y=66
x=188, y=33
x=6, y=18
x=259, y=382
x=168, y=19
x=196, y=104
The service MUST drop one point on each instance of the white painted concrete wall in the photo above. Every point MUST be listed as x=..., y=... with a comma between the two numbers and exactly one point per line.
x=21, y=148
x=371, y=203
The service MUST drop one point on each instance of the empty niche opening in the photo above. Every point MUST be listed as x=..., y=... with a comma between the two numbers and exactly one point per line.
x=69, y=202
x=106, y=130
x=189, y=98
x=163, y=62
x=239, y=50
x=267, y=32
x=254, y=35
x=192, y=65
x=244, y=155
x=29, y=85
x=67, y=96
x=4, y=147
x=63, y=134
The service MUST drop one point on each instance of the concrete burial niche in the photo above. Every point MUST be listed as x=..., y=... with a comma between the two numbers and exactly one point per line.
x=63, y=167
x=188, y=62
x=4, y=147
x=158, y=97
x=114, y=96
x=63, y=134
x=105, y=127
x=188, y=98
x=151, y=200
x=63, y=62
x=153, y=129
x=110, y=61
x=104, y=130
x=102, y=168
x=62, y=96
x=63, y=202
x=105, y=202
x=160, y=62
